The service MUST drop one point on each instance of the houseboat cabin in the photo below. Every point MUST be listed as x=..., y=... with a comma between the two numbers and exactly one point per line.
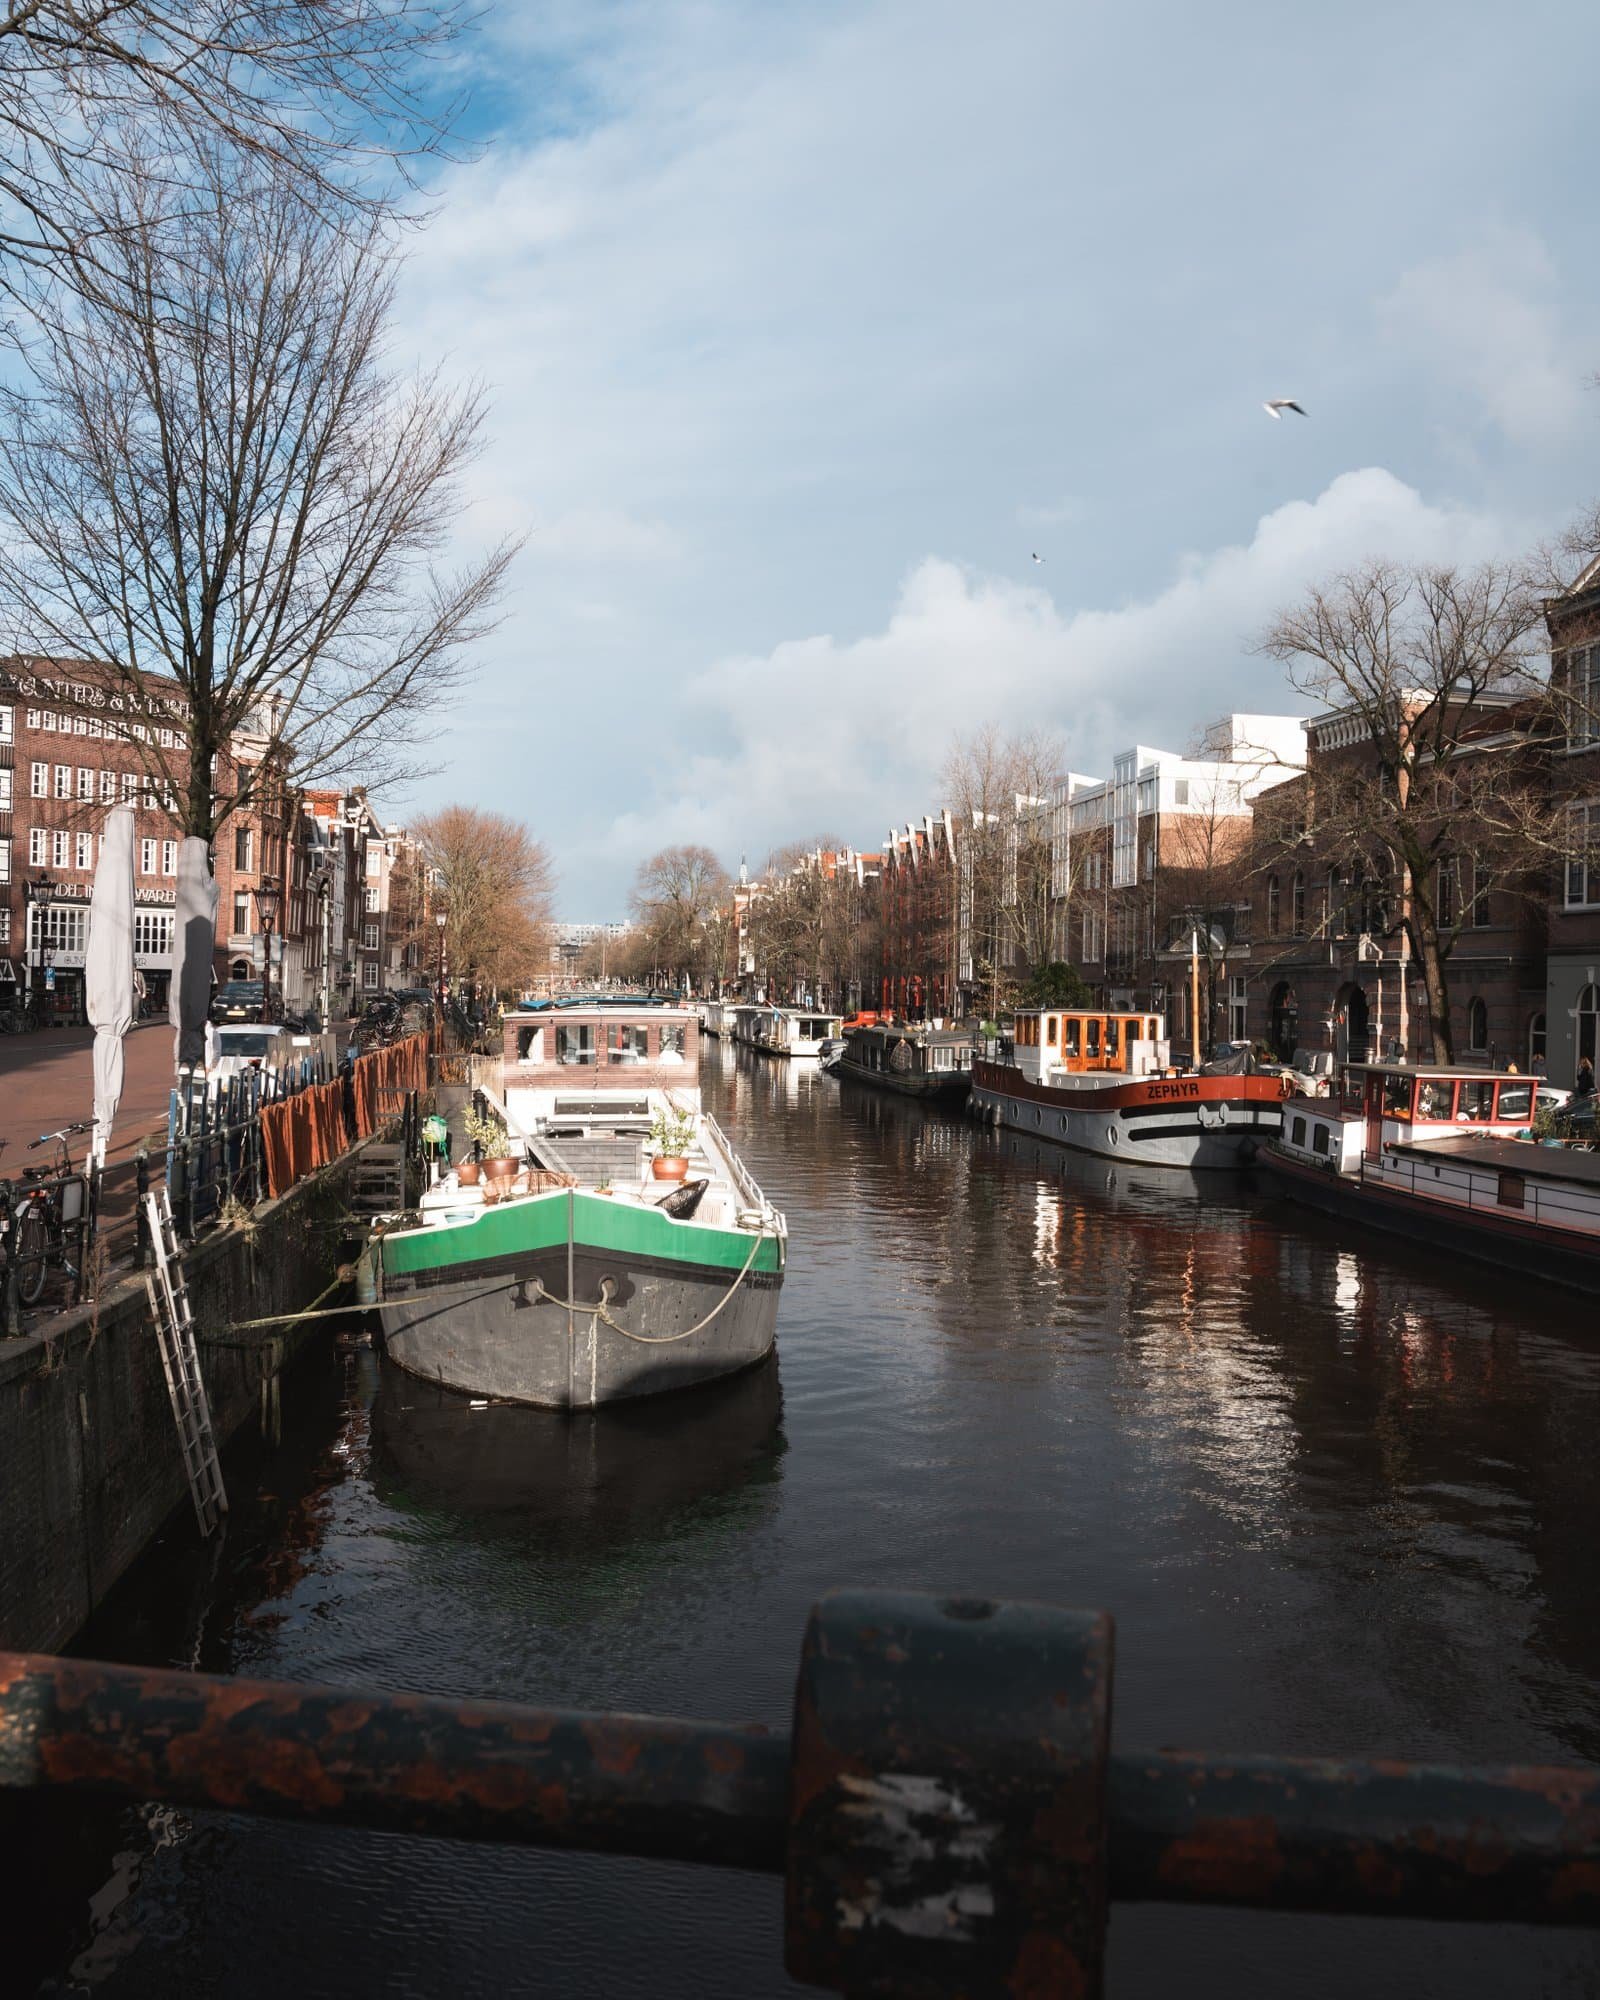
x=784, y=1031
x=1374, y=1105
x=1053, y=1046
x=917, y=1062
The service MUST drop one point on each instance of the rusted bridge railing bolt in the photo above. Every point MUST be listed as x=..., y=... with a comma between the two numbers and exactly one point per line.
x=947, y=1828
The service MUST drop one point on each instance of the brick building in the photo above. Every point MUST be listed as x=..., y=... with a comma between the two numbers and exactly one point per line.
x=70, y=749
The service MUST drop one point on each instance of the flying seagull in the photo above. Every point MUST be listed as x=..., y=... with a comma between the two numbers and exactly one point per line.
x=1279, y=404
x=1038, y=558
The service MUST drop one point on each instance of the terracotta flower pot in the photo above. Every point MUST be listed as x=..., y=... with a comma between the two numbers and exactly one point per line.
x=467, y=1173
x=501, y=1170
x=669, y=1167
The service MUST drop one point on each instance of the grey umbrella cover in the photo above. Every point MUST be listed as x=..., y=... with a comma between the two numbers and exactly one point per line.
x=193, y=943
x=108, y=975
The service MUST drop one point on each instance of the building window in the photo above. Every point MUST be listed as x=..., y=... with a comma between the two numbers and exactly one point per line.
x=1297, y=905
x=130, y=787
x=169, y=857
x=152, y=933
x=369, y=936
x=1477, y=1026
x=47, y=720
x=1445, y=898
x=244, y=849
x=1583, y=863
x=369, y=974
x=7, y=727
x=85, y=855
x=1274, y=905
x=108, y=788
x=147, y=857
x=1481, y=915
x=5, y=923
x=5, y=861
x=372, y=900
x=60, y=850
x=241, y=915
x=1536, y=1041
x=39, y=781
x=1237, y=1007
x=5, y=791
x=85, y=784
x=63, y=781
x=38, y=841
x=1583, y=697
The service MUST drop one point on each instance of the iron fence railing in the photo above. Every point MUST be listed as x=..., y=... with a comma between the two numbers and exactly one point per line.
x=947, y=1813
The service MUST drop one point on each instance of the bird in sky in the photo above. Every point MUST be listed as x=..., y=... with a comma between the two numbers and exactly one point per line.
x=1279, y=404
x=1038, y=558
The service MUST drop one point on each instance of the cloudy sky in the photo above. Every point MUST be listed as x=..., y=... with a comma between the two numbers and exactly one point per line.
x=805, y=326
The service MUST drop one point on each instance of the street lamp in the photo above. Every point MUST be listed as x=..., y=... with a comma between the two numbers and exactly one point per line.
x=38, y=893
x=267, y=905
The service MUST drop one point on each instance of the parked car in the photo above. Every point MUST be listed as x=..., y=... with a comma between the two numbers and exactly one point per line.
x=238, y=1000
x=243, y=1046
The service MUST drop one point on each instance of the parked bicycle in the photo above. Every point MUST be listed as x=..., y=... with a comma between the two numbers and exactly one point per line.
x=48, y=1204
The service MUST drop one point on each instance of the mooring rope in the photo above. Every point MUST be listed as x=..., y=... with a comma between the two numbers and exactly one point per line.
x=599, y=1307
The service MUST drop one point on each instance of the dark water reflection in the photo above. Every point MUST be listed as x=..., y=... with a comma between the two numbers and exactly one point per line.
x=1341, y=1498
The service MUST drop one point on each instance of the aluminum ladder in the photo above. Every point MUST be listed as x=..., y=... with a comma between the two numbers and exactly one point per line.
x=191, y=1411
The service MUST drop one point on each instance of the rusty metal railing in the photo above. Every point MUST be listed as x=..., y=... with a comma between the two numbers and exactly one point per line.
x=947, y=1812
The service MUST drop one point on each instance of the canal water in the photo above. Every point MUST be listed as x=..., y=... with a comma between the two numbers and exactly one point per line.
x=1342, y=1497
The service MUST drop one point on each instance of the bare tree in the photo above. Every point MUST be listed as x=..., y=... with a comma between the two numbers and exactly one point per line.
x=494, y=882
x=1445, y=711
x=218, y=487
x=329, y=98
x=674, y=892
x=998, y=788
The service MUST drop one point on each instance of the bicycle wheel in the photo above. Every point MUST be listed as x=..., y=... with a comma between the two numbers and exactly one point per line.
x=30, y=1241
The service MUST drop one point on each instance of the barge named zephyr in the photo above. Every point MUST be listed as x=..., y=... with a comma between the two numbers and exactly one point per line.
x=578, y=1272
x=1105, y=1084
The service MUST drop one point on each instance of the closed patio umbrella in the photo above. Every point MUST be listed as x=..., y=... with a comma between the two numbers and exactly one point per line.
x=194, y=935
x=108, y=977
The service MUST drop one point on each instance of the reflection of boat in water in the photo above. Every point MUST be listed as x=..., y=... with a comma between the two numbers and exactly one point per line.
x=617, y=1471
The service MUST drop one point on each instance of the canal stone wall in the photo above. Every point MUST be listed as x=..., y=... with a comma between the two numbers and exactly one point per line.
x=90, y=1465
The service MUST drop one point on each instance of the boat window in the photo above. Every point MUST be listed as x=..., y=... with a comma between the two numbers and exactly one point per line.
x=1434, y=1094
x=626, y=1043
x=1113, y=1028
x=1297, y=1132
x=672, y=1040
x=1051, y=1028
x=1151, y=1029
x=1397, y=1096
x=575, y=1044
x=1512, y=1191
x=1515, y=1103
x=1350, y=1095
x=1069, y=1036
x=1319, y=1138
x=1474, y=1103
x=1091, y=1040
x=530, y=1045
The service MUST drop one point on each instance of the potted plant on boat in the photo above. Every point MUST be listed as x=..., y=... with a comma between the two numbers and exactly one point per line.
x=672, y=1134
x=497, y=1167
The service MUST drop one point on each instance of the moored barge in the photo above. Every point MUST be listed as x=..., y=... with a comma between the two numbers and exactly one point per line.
x=1104, y=1083
x=578, y=1274
x=1442, y=1156
x=930, y=1063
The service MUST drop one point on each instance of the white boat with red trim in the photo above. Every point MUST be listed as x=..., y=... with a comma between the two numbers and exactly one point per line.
x=1443, y=1156
x=1104, y=1083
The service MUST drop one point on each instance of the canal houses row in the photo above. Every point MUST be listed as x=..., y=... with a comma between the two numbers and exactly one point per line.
x=313, y=878
x=1208, y=856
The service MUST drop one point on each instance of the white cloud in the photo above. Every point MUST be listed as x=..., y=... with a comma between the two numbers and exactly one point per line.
x=867, y=722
